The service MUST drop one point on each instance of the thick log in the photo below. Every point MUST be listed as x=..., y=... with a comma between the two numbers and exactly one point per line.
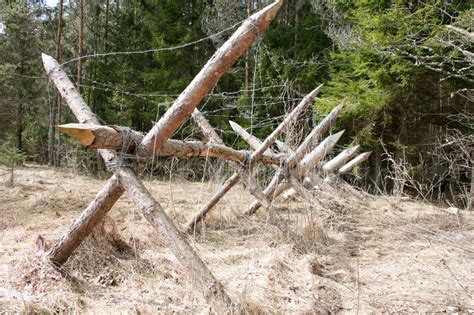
x=295, y=158
x=106, y=198
x=180, y=247
x=75, y=101
x=83, y=226
x=354, y=162
x=224, y=57
x=339, y=160
x=112, y=138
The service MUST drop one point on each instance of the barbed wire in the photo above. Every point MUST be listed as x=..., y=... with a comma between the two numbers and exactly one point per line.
x=153, y=50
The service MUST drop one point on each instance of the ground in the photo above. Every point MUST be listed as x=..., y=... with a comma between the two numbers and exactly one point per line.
x=381, y=254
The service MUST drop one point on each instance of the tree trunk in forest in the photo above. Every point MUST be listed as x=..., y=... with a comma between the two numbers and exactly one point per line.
x=80, y=44
x=55, y=107
x=247, y=55
x=19, y=126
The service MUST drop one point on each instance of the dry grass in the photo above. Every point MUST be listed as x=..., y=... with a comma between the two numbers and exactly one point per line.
x=375, y=255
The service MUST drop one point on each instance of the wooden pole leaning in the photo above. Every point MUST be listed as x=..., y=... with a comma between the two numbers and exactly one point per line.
x=125, y=178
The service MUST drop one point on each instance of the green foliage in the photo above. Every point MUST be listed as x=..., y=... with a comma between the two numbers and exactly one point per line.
x=11, y=157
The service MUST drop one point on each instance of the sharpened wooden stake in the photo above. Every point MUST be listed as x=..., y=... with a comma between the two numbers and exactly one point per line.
x=339, y=160
x=296, y=157
x=244, y=174
x=309, y=162
x=354, y=162
x=312, y=159
x=252, y=141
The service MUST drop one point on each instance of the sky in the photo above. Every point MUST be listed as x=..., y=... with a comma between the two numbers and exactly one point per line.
x=51, y=3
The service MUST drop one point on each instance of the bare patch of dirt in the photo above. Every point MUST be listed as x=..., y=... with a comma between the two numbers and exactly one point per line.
x=381, y=255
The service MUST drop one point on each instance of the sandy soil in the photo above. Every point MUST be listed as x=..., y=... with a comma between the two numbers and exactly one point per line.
x=382, y=254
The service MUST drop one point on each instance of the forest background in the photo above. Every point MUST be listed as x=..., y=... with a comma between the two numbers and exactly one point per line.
x=403, y=67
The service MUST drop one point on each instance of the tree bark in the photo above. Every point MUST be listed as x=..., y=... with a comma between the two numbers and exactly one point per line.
x=80, y=44
x=55, y=106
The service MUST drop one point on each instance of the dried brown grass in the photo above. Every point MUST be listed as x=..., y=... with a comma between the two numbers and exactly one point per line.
x=374, y=254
